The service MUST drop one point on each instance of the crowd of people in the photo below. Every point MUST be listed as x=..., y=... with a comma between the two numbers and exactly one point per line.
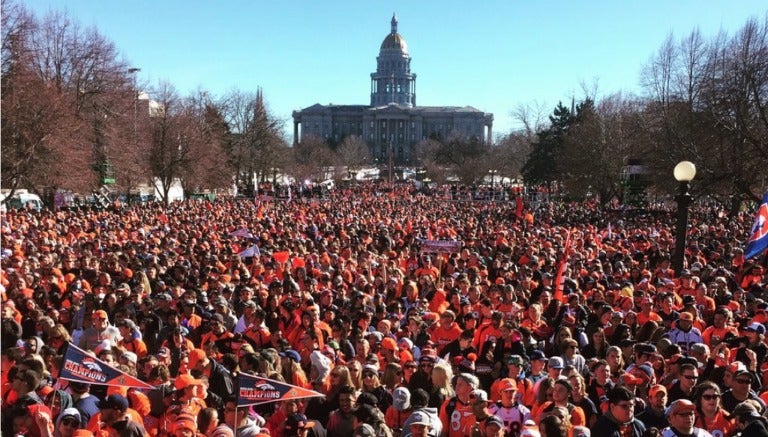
x=566, y=320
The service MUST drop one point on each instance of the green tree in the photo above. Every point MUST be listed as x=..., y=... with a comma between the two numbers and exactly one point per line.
x=541, y=167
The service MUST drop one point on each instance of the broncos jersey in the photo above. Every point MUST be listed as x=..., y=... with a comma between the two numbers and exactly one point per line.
x=513, y=417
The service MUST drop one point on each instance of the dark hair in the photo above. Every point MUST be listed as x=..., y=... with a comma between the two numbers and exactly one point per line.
x=687, y=366
x=553, y=426
x=619, y=394
x=347, y=390
x=204, y=418
x=366, y=413
x=366, y=398
x=419, y=398
x=30, y=378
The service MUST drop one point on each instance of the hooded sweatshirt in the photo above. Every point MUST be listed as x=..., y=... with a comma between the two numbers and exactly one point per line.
x=434, y=418
x=66, y=412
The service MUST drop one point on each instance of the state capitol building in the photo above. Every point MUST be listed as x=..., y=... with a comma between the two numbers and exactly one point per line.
x=392, y=121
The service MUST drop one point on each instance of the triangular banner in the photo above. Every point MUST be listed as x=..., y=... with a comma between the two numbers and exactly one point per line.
x=255, y=390
x=78, y=366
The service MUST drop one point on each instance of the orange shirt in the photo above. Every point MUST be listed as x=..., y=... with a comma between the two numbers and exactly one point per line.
x=210, y=337
x=643, y=318
x=395, y=419
x=442, y=335
x=717, y=334
x=135, y=345
x=720, y=425
x=484, y=333
x=460, y=422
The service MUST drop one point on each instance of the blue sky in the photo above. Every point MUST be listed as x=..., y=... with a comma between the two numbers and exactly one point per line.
x=492, y=55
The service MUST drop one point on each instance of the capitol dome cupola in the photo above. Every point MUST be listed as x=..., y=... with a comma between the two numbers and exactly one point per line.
x=393, y=81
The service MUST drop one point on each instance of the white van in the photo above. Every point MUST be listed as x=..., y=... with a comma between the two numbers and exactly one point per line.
x=22, y=199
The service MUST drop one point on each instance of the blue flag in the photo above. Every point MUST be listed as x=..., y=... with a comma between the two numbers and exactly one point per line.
x=251, y=251
x=758, y=241
x=253, y=390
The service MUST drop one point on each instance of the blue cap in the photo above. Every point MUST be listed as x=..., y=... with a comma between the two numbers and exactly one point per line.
x=115, y=401
x=292, y=354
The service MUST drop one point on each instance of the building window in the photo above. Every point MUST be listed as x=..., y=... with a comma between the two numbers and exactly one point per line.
x=413, y=125
x=371, y=123
x=401, y=125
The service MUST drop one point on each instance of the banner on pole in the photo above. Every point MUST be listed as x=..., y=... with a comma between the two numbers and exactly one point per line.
x=253, y=390
x=441, y=246
x=78, y=366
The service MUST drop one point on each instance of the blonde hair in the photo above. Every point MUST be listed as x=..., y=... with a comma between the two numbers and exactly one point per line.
x=444, y=376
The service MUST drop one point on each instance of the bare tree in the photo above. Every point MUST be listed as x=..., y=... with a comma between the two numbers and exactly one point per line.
x=353, y=153
x=208, y=166
x=533, y=118
x=256, y=148
x=311, y=159
x=510, y=153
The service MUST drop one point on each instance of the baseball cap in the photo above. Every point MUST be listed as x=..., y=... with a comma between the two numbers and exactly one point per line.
x=195, y=355
x=114, y=401
x=555, y=363
x=538, y=355
x=645, y=349
x=746, y=408
x=478, y=395
x=685, y=315
x=184, y=421
x=508, y=384
x=130, y=356
x=755, y=327
x=297, y=421
x=680, y=406
x=401, y=399
x=389, y=343
x=364, y=430
x=656, y=389
x=100, y=314
x=292, y=354
x=494, y=420
x=185, y=380
x=163, y=352
x=420, y=418
x=515, y=359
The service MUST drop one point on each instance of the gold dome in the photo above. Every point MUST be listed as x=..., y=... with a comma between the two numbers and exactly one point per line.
x=395, y=41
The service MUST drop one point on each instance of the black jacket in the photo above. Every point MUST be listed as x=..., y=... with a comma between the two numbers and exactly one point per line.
x=220, y=381
x=607, y=427
x=757, y=428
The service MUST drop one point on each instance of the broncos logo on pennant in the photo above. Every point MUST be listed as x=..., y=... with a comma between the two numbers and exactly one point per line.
x=760, y=227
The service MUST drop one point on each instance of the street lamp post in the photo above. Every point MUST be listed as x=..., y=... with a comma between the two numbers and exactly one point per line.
x=133, y=71
x=684, y=173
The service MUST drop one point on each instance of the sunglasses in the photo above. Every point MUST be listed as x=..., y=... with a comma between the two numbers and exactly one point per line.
x=410, y=367
x=70, y=422
x=368, y=375
x=690, y=377
x=353, y=370
x=744, y=381
x=710, y=397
